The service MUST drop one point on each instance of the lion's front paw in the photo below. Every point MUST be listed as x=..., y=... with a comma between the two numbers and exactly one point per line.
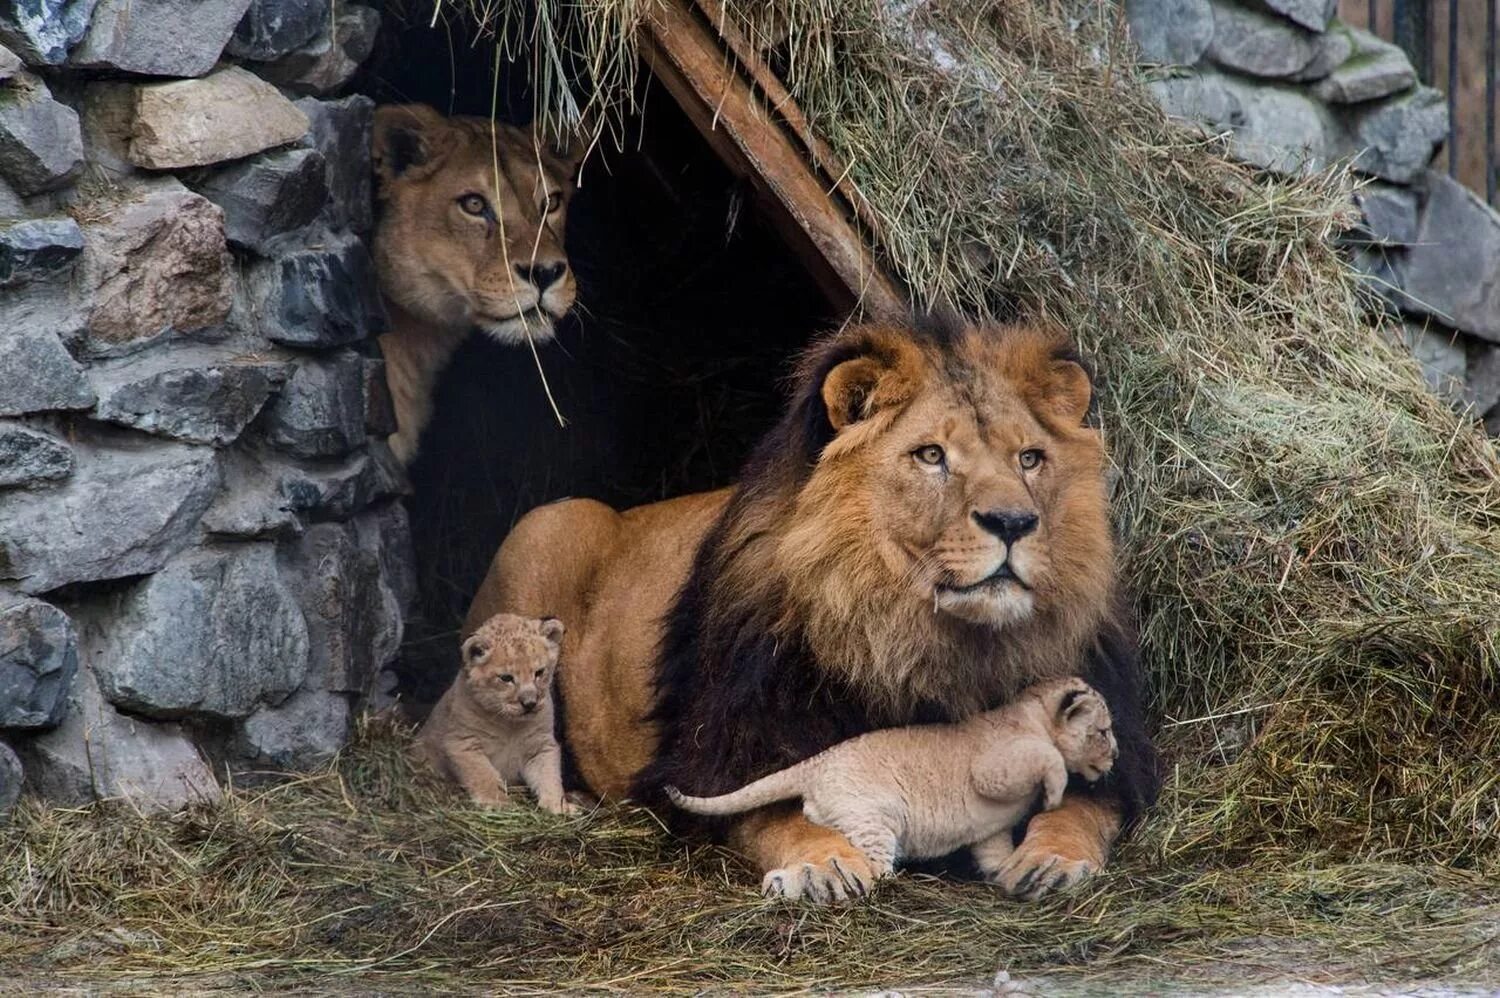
x=827, y=881
x=1035, y=871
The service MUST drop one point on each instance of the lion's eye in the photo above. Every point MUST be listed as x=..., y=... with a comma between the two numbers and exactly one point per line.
x=554, y=202
x=1031, y=459
x=929, y=454
x=474, y=204
x=507, y=678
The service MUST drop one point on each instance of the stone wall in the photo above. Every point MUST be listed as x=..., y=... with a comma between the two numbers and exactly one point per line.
x=203, y=559
x=1295, y=89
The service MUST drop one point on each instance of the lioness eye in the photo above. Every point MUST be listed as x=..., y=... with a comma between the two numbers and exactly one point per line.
x=929, y=454
x=473, y=204
x=507, y=678
x=1031, y=459
x=554, y=202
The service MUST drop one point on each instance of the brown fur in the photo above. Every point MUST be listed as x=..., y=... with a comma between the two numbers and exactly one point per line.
x=846, y=557
x=444, y=271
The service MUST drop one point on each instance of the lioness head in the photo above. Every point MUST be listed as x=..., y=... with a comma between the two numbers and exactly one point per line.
x=471, y=224
x=949, y=537
x=509, y=663
x=1082, y=728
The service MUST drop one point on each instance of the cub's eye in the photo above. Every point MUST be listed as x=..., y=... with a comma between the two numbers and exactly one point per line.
x=553, y=202
x=474, y=204
x=507, y=678
x=930, y=454
x=1032, y=459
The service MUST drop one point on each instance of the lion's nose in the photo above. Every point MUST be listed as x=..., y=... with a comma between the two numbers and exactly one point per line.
x=542, y=275
x=1010, y=525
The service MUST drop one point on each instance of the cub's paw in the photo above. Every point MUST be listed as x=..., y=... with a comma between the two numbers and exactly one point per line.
x=1033, y=871
x=825, y=882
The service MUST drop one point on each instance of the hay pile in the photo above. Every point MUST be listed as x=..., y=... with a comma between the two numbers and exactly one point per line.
x=1314, y=541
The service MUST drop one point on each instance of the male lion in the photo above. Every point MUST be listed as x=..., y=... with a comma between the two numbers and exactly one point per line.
x=470, y=233
x=923, y=535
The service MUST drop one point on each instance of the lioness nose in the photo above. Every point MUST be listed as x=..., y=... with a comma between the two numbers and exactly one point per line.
x=542, y=275
x=1010, y=525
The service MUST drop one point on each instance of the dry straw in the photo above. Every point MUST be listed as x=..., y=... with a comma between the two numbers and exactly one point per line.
x=1313, y=539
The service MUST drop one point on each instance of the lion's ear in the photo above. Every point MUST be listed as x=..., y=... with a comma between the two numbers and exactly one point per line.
x=410, y=140
x=857, y=389
x=1070, y=391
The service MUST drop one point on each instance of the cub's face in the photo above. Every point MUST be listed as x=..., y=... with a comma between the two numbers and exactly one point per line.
x=509, y=664
x=1084, y=732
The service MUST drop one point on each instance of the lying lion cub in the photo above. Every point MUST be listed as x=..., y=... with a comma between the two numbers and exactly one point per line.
x=494, y=725
x=921, y=792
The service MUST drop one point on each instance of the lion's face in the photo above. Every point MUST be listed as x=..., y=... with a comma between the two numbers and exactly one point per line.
x=509, y=663
x=472, y=220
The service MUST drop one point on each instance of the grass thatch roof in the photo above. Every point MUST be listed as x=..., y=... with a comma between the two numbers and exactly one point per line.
x=1313, y=538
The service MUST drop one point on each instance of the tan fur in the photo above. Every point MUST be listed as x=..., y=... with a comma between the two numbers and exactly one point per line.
x=444, y=271
x=868, y=557
x=922, y=792
x=494, y=726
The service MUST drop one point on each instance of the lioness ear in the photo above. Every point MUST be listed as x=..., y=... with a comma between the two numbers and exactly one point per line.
x=552, y=630
x=410, y=140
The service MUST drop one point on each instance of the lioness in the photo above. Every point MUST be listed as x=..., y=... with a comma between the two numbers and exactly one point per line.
x=924, y=534
x=922, y=791
x=470, y=233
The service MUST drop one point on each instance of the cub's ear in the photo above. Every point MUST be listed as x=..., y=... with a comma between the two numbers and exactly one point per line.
x=410, y=140
x=1073, y=704
x=856, y=389
x=474, y=649
x=552, y=630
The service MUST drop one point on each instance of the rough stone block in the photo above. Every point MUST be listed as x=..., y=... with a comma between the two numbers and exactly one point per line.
x=10, y=64
x=1170, y=32
x=1374, y=69
x=380, y=409
x=321, y=411
x=43, y=31
x=249, y=505
x=1204, y=98
x=1311, y=14
x=1396, y=139
x=214, y=633
x=1442, y=356
x=11, y=779
x=1283, y=130
x=38, y=658
x=341, y=491
x=38, y=375
x=155, y=267
x=385, y=531
x=329, y=61
x=37, y=249
x=341, y=131
x=31, y=457
x=41, y=144
x=269, y=195
x=196, y=399
x=220, y=117
x=127, y=512
x=1389, y=214
x=271, y=29
x=1482, y=386
x=98, y=753
x=318, y=297
x=1450, y=271
x=1258, y=44
x=1334, y=47
x=159, y=37
x=305, y=732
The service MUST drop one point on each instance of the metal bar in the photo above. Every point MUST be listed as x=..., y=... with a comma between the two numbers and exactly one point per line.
x=1489, y=101
x=1453, y=88
x=1410, y=22
x=1374, y=24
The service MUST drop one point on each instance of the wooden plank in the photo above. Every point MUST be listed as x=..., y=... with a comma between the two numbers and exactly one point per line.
x=686, y=55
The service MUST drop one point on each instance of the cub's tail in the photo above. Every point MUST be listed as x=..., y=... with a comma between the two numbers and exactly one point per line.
x=783, y=784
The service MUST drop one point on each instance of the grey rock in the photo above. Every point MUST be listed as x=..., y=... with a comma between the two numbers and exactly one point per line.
x=38, y=375
x=1482, y=383
x=41, y=145
x=10, y=64
x=98, y=753
x=341, y=131
x=250, y=504
x=155, y=267
x=224, y=116
x=1376, y=68
x=1311, y=14
x=37, y=249
x=126, y=512
x=318, y=297
x=321, y=411
x=329, y=61
x=305, y=732
x=1389, y=214
x=38, y=658
x=1283, y=130
x=31, y=457
x=380, y=408
x=269, y=195
x=11, y=779
x=271, y=29
x=1170, y=32
x=1451, y=271
x=158, y=37
x=344, y=489
x=206, y=402
x=1258, y=44
x=214, y=633
x=1397, y=138
x=1204, y=99
x=107, y=111
x=385, y=531
x=43, y=31
x=1442, y=356
x=1334, y=47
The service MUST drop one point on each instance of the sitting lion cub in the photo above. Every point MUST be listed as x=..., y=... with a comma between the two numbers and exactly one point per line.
x=921, y=792
x=494, y=725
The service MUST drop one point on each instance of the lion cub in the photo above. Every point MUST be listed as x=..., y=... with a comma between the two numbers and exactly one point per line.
x=494, y=725
x=921, y=792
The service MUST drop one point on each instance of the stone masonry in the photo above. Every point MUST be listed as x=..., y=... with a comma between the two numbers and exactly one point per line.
x=204, y=563
x=1293, y=89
